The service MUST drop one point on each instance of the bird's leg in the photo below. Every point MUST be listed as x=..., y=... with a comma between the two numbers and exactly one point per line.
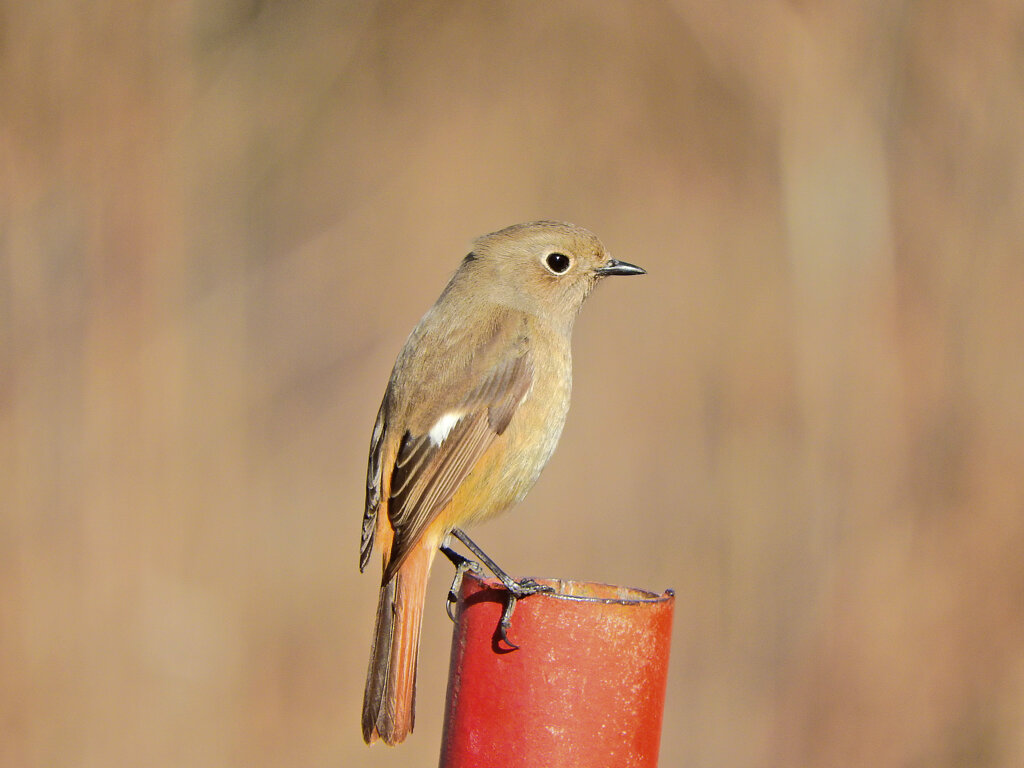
x=521, y=588
x=462, y=564
x=516, y=589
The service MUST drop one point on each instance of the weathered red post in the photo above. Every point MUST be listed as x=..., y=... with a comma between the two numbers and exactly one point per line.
x=585, y=688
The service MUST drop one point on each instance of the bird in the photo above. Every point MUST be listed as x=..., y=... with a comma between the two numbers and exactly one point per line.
x=472, y=413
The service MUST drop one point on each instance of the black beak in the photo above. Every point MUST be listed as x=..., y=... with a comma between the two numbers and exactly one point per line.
x=616, y=267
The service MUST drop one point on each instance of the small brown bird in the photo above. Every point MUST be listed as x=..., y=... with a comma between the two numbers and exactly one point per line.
x=472, y=413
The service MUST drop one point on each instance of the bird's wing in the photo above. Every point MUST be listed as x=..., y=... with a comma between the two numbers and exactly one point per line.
x=373, y=487
x=430, y=467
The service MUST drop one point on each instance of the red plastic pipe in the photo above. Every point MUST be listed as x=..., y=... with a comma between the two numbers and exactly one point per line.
x=585, y=688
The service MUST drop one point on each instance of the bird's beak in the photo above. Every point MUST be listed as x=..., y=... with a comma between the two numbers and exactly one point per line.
x=616, y=267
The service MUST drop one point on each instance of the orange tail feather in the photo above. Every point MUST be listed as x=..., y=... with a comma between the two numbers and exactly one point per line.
x=390, y=695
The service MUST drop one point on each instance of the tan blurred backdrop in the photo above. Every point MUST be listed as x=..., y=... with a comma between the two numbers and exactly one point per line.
x=220, y=220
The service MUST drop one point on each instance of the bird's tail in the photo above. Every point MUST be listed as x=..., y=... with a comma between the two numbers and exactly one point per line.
x=390, y=696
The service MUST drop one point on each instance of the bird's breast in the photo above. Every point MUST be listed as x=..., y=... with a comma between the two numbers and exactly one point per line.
x=515, y=460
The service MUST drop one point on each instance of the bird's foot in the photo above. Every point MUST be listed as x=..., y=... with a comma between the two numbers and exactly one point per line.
x=516, y=589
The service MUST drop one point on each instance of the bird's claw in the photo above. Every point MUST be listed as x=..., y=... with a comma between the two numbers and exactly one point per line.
x=462, y=565
x=516, y=591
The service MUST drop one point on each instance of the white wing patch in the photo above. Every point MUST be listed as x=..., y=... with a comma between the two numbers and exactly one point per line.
x=444, y=425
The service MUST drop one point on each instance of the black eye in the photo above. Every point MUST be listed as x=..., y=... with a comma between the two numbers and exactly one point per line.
x=557, y=262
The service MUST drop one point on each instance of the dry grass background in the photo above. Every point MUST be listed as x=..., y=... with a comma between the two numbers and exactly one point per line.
x=220, y=220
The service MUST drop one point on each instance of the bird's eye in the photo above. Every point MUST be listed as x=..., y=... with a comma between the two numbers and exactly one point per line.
x=557, y=262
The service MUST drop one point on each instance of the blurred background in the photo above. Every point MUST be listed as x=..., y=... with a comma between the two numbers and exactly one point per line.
x=219, y=221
